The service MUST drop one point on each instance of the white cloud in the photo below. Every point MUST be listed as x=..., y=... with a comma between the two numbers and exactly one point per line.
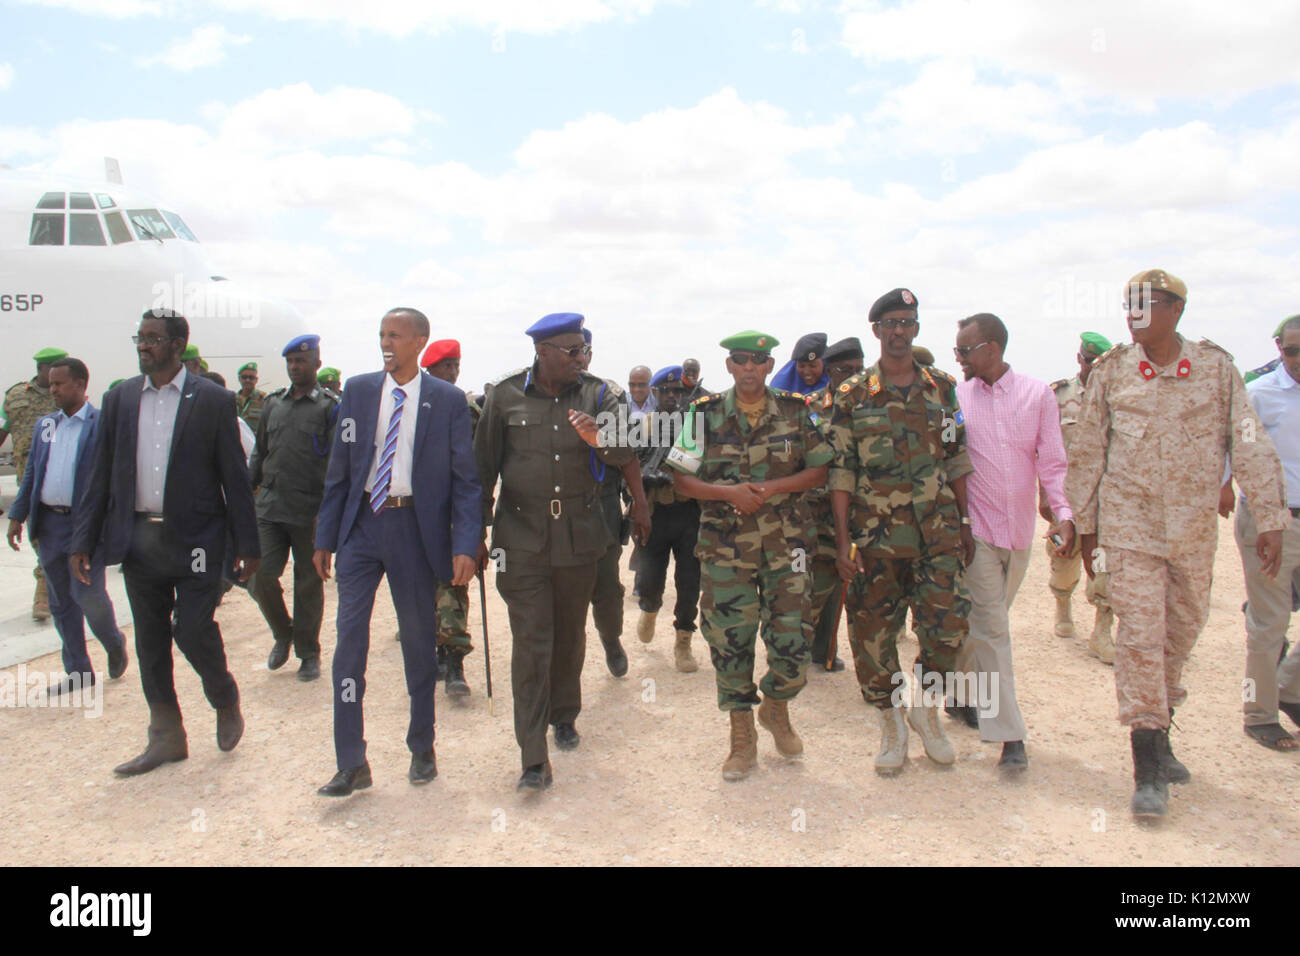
x=1133, y=52
x=6, y=76
x=205, y=46
x=297, y=116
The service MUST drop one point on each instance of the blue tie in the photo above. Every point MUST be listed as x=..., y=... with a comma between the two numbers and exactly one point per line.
x=384, y=476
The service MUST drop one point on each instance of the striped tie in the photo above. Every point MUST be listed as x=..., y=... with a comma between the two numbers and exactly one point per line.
x=384, y=476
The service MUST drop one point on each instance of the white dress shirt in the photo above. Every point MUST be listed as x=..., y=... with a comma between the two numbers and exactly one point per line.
x=61, y=468
x=153, y=445
x=399, y=484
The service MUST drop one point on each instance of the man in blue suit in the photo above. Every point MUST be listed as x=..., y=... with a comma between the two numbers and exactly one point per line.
x=57, y=469
x=402, y=499
x=168, y=487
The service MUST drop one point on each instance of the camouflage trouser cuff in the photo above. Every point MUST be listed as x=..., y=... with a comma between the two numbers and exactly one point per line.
x=456, y=643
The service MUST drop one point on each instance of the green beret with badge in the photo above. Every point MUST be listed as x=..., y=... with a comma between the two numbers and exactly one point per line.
x=191, y=352
x=1094, y=344
x=47, y=355
x=750, y=341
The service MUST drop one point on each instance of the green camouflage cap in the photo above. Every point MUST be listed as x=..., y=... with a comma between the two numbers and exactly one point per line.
x=45, y=356
x=1094, y=343
x=750, y=341
x=191, y=352
x=252, y=365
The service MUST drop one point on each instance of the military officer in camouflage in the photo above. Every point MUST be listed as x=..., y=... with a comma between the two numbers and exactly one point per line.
x=1160, y=420
x=539, y=436
x=24, y=405
x=841, y=360
x=674, y=525
x=193, y=361
x=748, y=455
x=898, y=494
x=1066, y=570
x=287, y=470
x=249, y=399
x=442, y=360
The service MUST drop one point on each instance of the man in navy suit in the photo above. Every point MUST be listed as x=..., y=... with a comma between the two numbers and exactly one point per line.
x=57, y=469
x=401, y=499
x=168, y=486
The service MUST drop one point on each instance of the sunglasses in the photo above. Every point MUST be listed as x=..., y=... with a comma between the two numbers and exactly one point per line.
x=890, y=324
x=1291, y=351
x=961, y=351
x=149, y=341
x=749, y=358
x=572, y=353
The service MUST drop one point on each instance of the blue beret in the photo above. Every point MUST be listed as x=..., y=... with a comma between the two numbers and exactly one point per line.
x=303, y=343
x=557, y=323
x=668, y=377
x=586, y=335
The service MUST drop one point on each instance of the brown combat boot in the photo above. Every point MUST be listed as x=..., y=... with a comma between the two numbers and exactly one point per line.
x=41, y=600
x=1064, y=619
x=645, y=627
x=744, y=746
x=1102, y=643
x=774, y=715
x=167, y=742
x=682, y=656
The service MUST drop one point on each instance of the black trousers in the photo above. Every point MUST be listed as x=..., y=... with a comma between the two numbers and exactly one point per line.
x=278, y=540
x=157, y=586
x=673, y=530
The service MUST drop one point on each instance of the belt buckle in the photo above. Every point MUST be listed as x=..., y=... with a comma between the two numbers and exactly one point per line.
x=557, y=509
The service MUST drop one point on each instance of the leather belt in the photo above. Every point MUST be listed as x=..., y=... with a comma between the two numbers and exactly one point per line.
x=404, y=501
x=553, y=505
x=58, y=509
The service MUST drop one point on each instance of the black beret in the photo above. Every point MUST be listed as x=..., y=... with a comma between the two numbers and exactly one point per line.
x=809, y=347
x=892, y=300
x=845, y=348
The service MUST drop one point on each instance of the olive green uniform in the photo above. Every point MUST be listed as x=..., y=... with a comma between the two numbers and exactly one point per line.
x=898, y=453
x=288, y=471
x=753, y=565
x=607, y=596
x=24, y=405
x=250, y=407
x=551, y=532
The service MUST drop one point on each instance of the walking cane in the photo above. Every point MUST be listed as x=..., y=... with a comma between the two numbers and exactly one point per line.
x=487, y=650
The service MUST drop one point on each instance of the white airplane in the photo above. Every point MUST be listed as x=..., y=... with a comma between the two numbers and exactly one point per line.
x=80, y=262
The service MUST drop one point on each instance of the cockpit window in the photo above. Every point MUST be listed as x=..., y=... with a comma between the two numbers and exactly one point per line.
x=182, y=230
x=47, y=228
x=117, y=230
x=84, y=230
x=51, y=201
x=105, y=201
x=80, y=201
x=149, y=224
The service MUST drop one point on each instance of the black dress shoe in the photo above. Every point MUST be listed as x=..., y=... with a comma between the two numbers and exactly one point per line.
x=566, y=737
x=309, y=669
x=117, y=661
x=230, y=726
x=536, y=777
x=345, y=781
x=966, y=715
x=279, y=654
x=836, y=665
x=616, y=659
x=1014, y=759
x=66, y=685
x=424, y=767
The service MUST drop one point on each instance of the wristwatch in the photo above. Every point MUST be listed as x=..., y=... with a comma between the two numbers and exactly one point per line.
x=965, y=520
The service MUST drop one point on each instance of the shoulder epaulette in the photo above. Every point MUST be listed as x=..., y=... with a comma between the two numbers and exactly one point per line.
x=940, y=373
x=278, y=391
x=704, y=400
x=852, y=382
x=1059, y=384
x=1217, y=347
x=330, y=393
x=1116, y=349
x=509, y=375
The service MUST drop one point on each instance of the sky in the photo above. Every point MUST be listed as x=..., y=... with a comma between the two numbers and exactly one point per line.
x=678, y=171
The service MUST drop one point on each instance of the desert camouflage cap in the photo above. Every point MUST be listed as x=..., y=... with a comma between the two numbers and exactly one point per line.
x=1161, y=281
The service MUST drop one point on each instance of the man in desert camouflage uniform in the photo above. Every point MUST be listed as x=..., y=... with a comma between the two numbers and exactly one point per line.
x=748, y=455
x=1160, y=419
x=24, y=405
x=841, y=361
x=1065, y=570
x=898, y=494
x=441, y=359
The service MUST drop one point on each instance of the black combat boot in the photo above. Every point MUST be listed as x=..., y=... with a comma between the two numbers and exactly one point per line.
x=454, y=671
x=1151, y=793
x=1170, y=766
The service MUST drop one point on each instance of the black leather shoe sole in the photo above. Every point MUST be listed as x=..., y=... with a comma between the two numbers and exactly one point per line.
x=309, y=670
x=566, y=737
x=535, y=778
x=346, y=782
x=117, y=663
x=279, y=654
x=617, y=662
x=147, y=762
x=1013, y=761
x=424, y=767
x=230, y=728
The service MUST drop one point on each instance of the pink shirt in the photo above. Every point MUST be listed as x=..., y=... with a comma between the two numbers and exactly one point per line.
x=1013, y=435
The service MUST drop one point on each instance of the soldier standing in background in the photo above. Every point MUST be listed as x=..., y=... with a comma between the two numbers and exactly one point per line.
x=691, y=381
x=193, y=361
x=1160, y=420
x=250, y=399
x=287, y=471
x=674, y=526
x=748, y=455
x=442, y=360
x=902, y=531
x=841, y=361
x=1065, y=570
x=539, y=436
x=24, y=405
x=331, y=378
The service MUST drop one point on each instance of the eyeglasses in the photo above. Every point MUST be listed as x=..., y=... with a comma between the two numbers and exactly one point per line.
x=1291, y=351
x=961, y=351
x=1144, y=303
x=749, y=358
x=149, y=341
x=572, y=353
x=890, y=324
x=845, y=369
